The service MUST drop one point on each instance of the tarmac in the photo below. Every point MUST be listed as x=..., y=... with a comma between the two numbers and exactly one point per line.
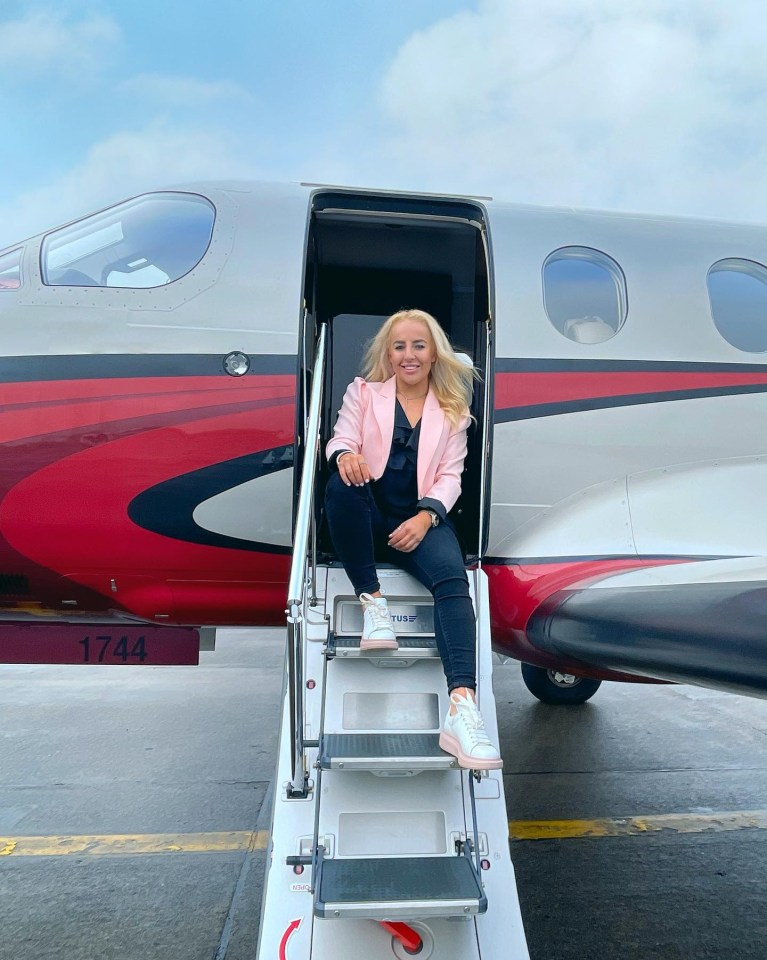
x=135, y=808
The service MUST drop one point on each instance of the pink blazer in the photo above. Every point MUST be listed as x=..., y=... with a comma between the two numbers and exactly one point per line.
x=366, y=425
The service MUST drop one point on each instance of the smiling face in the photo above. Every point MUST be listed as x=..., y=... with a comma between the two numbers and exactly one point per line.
x=411, y=355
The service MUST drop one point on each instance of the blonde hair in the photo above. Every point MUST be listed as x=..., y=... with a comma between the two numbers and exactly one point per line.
x=451, y=379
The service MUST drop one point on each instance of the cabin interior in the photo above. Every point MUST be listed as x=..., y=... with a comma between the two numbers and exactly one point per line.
x=369, y=256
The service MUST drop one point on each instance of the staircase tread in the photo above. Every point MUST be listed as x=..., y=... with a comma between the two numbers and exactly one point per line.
x=384, y=745
x=405, y=643
x=399, y=879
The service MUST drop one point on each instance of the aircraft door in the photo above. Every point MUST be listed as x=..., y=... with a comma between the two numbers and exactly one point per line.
x=371, y=255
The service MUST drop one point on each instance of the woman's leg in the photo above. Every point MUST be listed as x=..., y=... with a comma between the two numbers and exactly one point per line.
x=354, y=522
x=352, y=517
x=437, y=563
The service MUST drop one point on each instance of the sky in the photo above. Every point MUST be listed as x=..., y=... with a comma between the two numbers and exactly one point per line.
x=655, y=106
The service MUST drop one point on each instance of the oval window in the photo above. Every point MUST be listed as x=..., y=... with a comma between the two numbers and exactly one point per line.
x=147, y=242
x=584, y=294
x=737, y=292
x=10, y=270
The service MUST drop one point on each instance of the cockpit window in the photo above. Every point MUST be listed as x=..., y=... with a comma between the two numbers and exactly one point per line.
x=10, y=270
x=147, y=242
x=584, y=293
x=737, y=291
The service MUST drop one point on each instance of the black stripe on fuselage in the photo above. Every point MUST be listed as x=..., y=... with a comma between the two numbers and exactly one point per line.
x=533, y=411
x=168, y=507
x=553, y=365
x=95, y=366
x=106, y=366
x=592, y=557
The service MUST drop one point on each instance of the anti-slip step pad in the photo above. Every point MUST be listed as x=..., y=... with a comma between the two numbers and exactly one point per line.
x=398, y=888
x=390, y=752
x=410, y=648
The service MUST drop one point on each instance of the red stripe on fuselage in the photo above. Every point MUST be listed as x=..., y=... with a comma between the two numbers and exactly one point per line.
x=65, y=490
x=526, y=388
x=73, y=514
x=45, y=391
x=45, y=416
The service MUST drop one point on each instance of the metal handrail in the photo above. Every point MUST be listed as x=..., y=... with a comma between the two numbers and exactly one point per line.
x=297, y=583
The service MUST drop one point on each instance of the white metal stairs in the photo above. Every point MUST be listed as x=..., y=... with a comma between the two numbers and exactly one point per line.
x=374, y=827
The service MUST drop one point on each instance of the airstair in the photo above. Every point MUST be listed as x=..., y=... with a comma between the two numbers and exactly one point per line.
x=381, y=846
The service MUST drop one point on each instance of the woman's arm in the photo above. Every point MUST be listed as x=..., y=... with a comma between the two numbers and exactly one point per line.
x=347, y=433
x=344, y=450
x=440, y=497
x=447, y=480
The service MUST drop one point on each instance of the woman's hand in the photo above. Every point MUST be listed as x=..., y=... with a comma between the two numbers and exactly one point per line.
x=410, y=533
x=353, y=468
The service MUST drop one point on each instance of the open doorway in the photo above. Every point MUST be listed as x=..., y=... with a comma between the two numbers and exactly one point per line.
x=370, y=255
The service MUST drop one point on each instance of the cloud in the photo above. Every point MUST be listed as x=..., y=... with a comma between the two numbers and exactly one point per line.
x=49, y=44
x=123, y=165
x=165, y=90
x=653, y=105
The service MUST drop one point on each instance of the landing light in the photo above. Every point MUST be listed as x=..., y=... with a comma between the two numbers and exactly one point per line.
x=236, y=364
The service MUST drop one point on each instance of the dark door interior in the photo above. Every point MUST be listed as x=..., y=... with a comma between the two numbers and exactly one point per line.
x=370, y=256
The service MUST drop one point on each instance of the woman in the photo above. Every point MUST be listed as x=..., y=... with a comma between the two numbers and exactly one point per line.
x=397, y=452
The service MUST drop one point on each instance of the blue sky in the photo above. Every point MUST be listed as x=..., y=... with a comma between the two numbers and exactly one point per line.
x=658, y=105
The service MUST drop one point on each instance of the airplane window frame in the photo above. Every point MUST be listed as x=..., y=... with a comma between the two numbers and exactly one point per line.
x=733, y=333
x=109, y=224
x=596, y=258
x=8, y=254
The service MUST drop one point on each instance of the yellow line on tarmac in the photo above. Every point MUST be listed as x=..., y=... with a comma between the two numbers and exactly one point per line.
x=234, y=841
x=672, y=823
x=134, y=843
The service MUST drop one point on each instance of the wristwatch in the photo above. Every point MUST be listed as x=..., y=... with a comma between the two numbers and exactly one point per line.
x=434, y=516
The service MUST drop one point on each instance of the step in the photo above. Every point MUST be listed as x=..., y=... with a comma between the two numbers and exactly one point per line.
x=384, y=752
x=410, y=648
x=411, y=616
x=398, y=888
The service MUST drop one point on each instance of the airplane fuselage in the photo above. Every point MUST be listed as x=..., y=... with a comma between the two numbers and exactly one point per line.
x=143, y=477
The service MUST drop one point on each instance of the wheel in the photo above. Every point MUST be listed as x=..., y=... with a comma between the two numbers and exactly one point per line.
x=555, y=687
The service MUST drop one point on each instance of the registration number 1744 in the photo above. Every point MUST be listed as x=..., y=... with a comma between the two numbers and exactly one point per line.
x=129, y=645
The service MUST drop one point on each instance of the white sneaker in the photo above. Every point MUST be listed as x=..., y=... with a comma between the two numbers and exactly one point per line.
x=463, y=735
x=377, y=630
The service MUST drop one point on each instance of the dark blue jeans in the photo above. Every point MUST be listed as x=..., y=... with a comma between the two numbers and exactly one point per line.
x=359, y=531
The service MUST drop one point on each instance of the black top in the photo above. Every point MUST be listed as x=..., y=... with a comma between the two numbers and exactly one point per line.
x=396, y=492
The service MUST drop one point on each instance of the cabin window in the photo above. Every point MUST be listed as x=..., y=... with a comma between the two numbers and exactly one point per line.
x=584, y=294
x=147, y=242
x=10, y=270
x=737, y=292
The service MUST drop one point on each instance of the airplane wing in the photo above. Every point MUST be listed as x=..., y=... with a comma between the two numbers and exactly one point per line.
x=660, y=574
x=701, y=622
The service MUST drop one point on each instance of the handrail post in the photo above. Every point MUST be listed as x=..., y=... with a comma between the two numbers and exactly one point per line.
x=298, y=787
x=298, y=775
x=313, y=554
